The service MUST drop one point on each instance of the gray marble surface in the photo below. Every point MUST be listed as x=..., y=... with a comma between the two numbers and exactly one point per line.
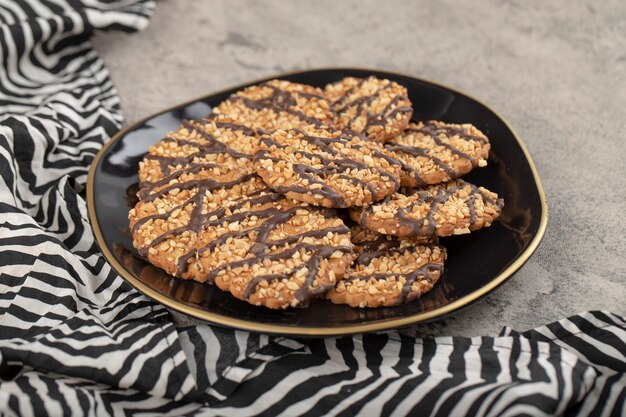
x=555, y=70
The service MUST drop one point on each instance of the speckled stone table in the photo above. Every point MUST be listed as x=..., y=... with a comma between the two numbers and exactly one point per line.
x=555, y=70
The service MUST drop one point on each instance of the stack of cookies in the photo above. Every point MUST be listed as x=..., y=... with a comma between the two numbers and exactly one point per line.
x=287, y=193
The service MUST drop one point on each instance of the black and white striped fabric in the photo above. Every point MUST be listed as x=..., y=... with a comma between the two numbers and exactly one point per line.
x=75, y=339
x=574, y=367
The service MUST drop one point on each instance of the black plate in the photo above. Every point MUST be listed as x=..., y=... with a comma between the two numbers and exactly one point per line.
x=477, y=263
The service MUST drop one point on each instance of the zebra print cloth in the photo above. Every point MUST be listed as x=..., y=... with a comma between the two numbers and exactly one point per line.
x=575, y=367
x=75, y=339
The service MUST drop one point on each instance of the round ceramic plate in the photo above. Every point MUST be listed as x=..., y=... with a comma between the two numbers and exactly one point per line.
x=477, y=263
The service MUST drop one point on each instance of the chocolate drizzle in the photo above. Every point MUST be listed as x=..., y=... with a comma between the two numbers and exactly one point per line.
x=434, y=130
x=212, y=146
x=333, y=165
x=280, y=101
x=417, y=152
x=216, y=146
x=389, y=246
x=362, y=105
x=431, y=128
x=207, y=184
x=426, y=226
x=342, y=99
x=215, y=118
x=425, y=271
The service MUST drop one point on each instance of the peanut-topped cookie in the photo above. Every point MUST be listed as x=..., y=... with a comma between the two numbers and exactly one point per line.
x=226, y=227
x=379, y=109
x=278, y=104
x=327, y=167
x=388, y=270
x=433, y=152
x=452, y=208
x=200, y=143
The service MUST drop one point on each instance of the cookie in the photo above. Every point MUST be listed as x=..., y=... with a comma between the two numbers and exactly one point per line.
x=327, y=167
x=452, y=208
x=278, y=104
x=215, y=140
x=388, y=270
x=380, y=109
x=432, y=152
x=241, y=236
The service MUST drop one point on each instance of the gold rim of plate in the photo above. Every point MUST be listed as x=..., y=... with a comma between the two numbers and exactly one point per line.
x=314, y=331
